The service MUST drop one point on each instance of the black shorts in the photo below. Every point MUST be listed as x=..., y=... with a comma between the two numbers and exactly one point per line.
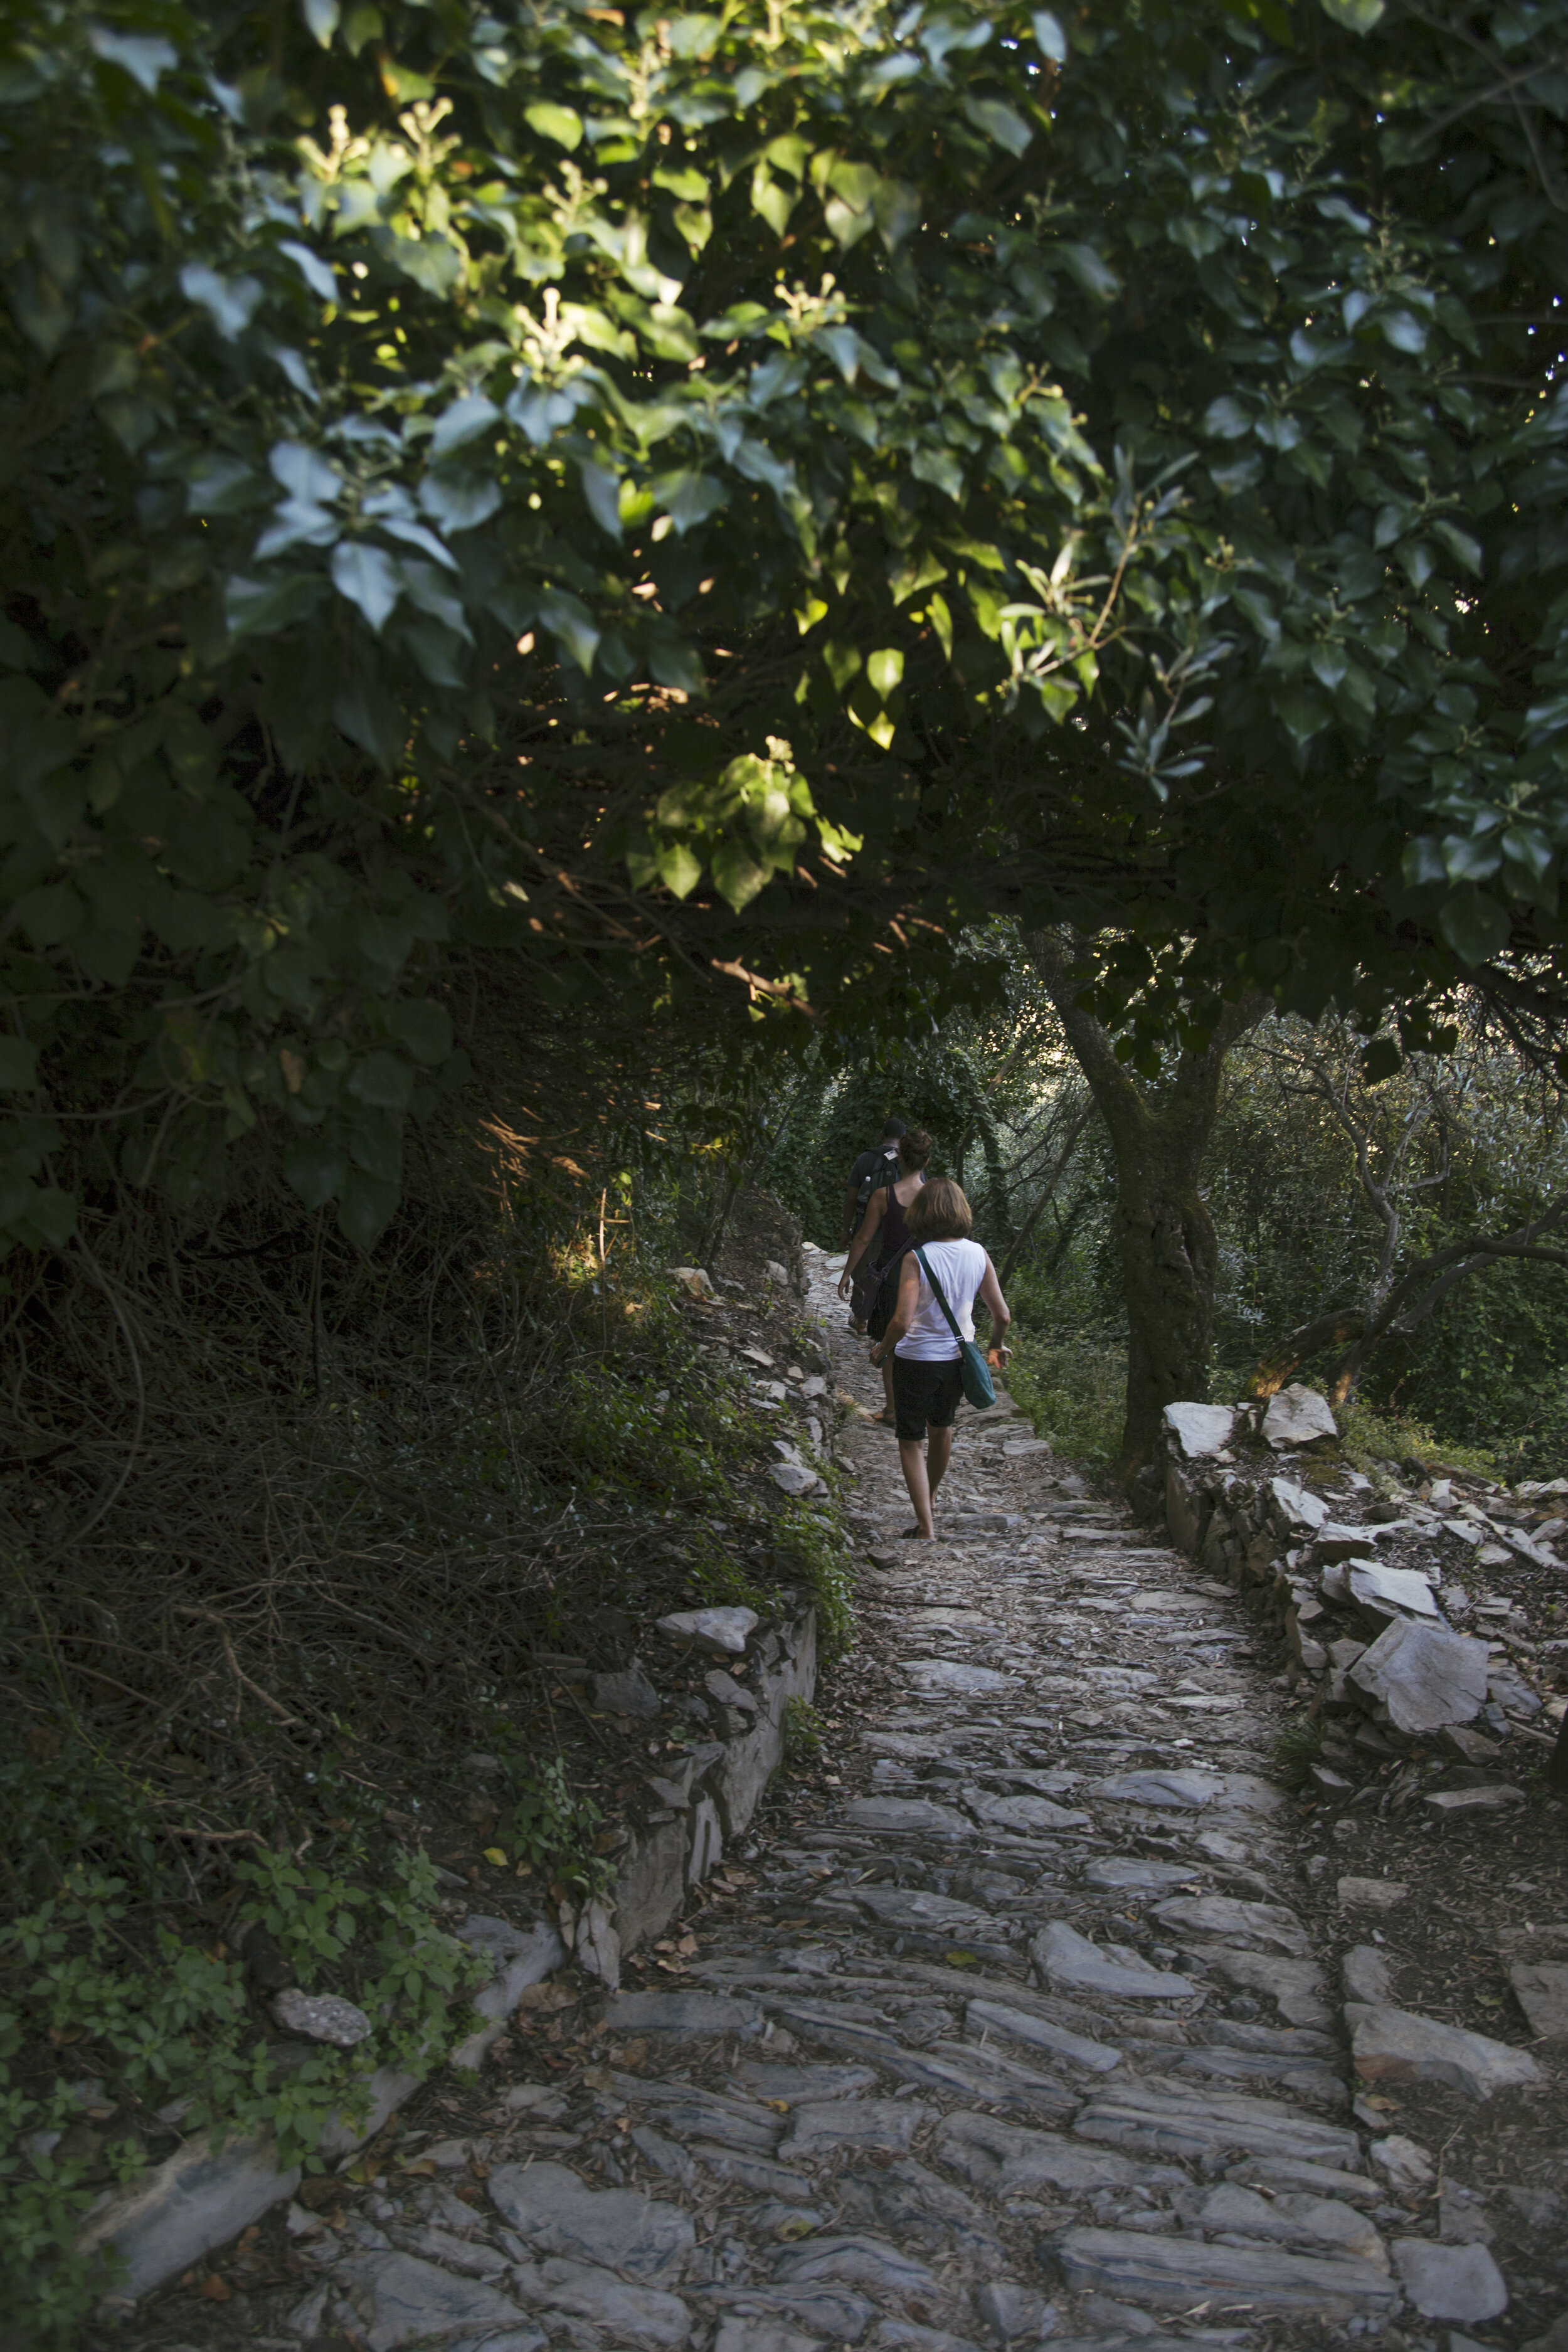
x=925, y=1394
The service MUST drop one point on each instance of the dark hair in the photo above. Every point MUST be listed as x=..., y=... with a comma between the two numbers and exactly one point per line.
x=894, y=1127
x=914, y=1148
x=939, y=1213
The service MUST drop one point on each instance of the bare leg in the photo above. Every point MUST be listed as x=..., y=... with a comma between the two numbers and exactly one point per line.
x=939, y=1453
x=913, y=1461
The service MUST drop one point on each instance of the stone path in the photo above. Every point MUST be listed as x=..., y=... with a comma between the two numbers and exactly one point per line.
x=1026, y=2041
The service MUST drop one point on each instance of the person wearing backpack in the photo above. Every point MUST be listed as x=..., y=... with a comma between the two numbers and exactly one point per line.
x=931, y=1331
x=870, y=1279
x=873, y=1172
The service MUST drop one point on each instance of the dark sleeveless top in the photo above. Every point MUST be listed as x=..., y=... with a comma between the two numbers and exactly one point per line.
x=895, y=1232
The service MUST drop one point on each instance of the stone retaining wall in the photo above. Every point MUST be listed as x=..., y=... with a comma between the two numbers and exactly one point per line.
x=203, y=2196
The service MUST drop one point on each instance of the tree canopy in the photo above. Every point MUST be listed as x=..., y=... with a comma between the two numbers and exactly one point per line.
x=674, y=502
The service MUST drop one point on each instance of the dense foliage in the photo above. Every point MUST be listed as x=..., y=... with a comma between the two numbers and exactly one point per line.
x=571, y=485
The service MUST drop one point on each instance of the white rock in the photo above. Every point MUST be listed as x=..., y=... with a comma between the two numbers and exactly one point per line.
x=1298, y=1416
x=1449, y=2281
x=723, y=1632
x=1389, y=1590
x=1398, y=2046
x=693, y=1281
x=1424, y=1675
x=794, y=1478
x=321, y=2017
x=1200, y=1430
x=1299, y=1504
x=1404, y=2164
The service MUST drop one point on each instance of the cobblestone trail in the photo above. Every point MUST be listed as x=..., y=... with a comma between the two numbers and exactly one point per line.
x=1027, y=2041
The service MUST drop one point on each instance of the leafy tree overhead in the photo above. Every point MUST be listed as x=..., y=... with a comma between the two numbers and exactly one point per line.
x=660, y=497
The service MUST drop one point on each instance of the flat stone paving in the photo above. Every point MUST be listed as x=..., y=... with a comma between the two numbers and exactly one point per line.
x=1025, y=2041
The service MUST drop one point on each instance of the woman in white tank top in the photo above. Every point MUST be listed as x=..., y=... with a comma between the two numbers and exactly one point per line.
x=922, y=1343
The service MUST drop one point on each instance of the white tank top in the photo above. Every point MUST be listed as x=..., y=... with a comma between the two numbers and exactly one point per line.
x=960, y=1267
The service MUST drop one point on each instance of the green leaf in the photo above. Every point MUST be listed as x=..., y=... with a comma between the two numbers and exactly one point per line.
x=679, y=870
x=1458, y=542
x=571, y=623
x=426, y=1028
x=321, y=17
x=383, y=1080
x=1091, y=271
x=18, y=1064
x=1050, y=36
x=316, y=1171
x=463, y=422
x=999, y=122
x=737, y=873
x=1475, y=925
x=459, y=501
x=230, y=302
x=561, y=124
x=885, y=669
x=141, y=55
x=1355, y=15
x=368, y=577
x=366, y=1206
x=601, y=490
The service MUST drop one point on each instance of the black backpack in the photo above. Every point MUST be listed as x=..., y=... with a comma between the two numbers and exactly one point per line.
x=887, y=1170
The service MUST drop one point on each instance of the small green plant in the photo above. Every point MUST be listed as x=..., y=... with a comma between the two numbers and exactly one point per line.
x=1295, y=1751
x=804, y=1730
x=1073, y=1388
x=1370, y=1437
x=812, y=1547
x=173, y=2022
x=551, y=1830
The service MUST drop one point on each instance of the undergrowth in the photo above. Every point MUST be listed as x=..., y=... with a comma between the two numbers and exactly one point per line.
x=1373, y=1439
x=1073, y=1388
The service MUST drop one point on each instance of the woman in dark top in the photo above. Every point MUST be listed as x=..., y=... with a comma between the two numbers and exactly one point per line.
x=886, y=1233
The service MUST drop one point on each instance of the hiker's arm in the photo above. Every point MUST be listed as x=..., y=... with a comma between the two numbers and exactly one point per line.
x=903, y=1313
x=862, y=1242
x=1000, y=1312
x=849, y=1193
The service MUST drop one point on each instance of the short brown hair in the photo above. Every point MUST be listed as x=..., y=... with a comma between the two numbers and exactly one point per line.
x=939, y=1213
x=915, y=1148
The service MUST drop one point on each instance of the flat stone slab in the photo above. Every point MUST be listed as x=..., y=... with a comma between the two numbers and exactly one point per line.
x=682, y=2012
x=553, y=2209
x=854, y=2261
x=1320, y=2223
x=1118, y=1873
x=913, y=1816
x=587, y=2290
x=1172, y=2274
x=794, y=2083
x=1396, y=2045
x=910, y=1906
x=821, y=2128
x=403, y=2300
x=1459, y=2282
x=1199, y=1430
x=1027, y=1813
x=1010, y=2159
x=1295, y=1986
x=1371, y=1894
x=953, y=1675
x=1385, y=1589
x=1298, y=1416
x=986, y=2017
x=1295, y=2176
x=1453, y=1804
x=1065, y=1957
x=1540, y=1988
x=740, y=2334
x=1175, y=1790
x=1424, y=1674
x=1224, y=1914
x=1169, y=2120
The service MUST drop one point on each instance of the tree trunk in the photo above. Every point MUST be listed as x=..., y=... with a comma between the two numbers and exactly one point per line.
x=1165, y=1234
